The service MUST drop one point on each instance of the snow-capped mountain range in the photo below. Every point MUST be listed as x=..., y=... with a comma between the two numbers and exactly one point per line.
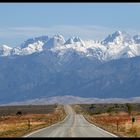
x=44, y=67
x=114, y=46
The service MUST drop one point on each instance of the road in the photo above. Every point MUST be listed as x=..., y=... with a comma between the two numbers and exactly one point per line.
x=74, y=125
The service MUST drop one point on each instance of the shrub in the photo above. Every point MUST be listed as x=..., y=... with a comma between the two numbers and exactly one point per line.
x=19, y=113
x=129, y=108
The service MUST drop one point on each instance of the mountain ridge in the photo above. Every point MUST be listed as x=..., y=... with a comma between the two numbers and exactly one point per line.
x=77, y=69
x=115, y=46
x=72, y=100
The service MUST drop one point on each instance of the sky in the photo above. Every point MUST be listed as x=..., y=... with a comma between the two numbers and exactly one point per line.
x=20, y=21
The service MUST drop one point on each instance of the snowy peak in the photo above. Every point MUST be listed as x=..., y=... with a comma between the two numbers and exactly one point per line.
x=115, y=46
x=118, y=37
x=32, y=48
x=73, y=40
x=56, y=40
x=5, y=50
x=34, y=40
x=38, y=44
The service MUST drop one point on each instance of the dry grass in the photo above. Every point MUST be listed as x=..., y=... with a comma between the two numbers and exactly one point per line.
x=17, y=126
x=119, y=124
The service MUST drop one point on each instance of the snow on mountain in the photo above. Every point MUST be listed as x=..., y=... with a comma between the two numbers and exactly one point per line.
x=136, y=39
x=32, y=48
x=115, y=46
x=56, y=40
x=118, y=38
x=42, y=39
x=31, y=45
x=73, y=40
x=120, y=45
x=77, y=46
x=5, y=50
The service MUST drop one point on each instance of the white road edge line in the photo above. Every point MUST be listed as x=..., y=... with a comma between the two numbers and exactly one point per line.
x=101, y=129
x=46, y=127
x=105, y=131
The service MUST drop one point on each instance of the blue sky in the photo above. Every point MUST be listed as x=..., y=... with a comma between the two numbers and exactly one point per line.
x=20, y=21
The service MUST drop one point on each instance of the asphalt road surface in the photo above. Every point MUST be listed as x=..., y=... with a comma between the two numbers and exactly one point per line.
x=74, y=125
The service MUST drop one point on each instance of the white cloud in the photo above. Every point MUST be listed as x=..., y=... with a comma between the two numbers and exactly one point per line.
x=66, y=30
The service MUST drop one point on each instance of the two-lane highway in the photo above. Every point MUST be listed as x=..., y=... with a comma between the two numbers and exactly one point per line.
x=74, y=125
